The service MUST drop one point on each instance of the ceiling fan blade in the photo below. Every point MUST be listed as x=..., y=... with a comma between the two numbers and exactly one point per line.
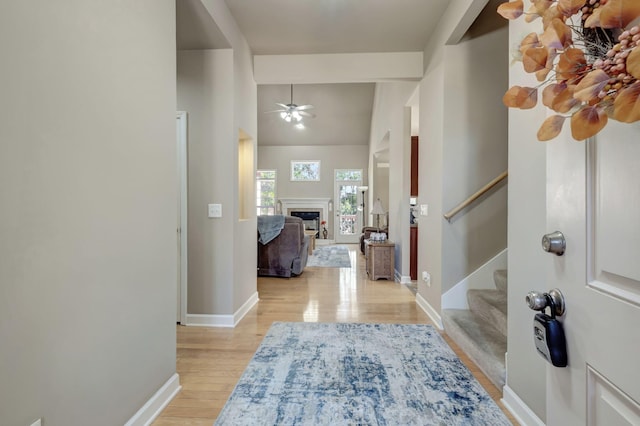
x=275, y=110
x=303, y=107
x=307, y=114
x=282, y=105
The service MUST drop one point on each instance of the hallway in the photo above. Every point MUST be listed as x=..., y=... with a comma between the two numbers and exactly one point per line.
x=211, y=360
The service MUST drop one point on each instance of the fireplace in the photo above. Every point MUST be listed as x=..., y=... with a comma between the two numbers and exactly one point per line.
x=311, y=219
x=303, y=207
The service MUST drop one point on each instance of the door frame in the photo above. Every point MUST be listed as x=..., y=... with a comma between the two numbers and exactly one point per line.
x=181, y=232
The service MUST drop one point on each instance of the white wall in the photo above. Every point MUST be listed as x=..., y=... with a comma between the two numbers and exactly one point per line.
x=430, y=182
x=203, y=79
x=391, y=130
x=337, y=68
x=331, y=158
x=463, y=145
x=217, y=89
x=88, y=194
x=245, y=120
x=474, y=146
x=380, y=190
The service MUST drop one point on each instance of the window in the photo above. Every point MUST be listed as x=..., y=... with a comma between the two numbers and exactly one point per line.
x=355, y=175
x=266, y=192
x=304, y=171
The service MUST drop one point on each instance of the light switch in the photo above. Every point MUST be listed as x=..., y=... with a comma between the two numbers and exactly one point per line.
x=424, y=209
x=215, y=210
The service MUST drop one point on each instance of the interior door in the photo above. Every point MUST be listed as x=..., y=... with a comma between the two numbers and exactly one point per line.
x=348, y=219
x=593, y=198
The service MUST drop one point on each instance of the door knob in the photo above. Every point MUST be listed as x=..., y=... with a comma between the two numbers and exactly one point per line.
x=554, y=243
x=540, y=301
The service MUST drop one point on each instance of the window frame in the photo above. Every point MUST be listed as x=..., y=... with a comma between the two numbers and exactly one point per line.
x=271, y=209
x=295, y=163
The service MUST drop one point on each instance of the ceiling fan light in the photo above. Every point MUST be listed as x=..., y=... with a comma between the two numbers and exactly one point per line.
x=283, y=115
x=288, y=118
x=296, y=115
x=300, y=126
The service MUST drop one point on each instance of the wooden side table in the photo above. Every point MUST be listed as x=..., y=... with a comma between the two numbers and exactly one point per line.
x=312, y=240
x=380, y=259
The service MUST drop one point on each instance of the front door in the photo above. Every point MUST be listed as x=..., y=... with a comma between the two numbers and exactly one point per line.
x=593, y=197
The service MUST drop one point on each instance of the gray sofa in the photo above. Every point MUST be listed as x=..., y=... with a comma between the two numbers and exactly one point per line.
x=286, y=255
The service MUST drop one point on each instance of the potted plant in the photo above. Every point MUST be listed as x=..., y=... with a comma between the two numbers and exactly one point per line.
x=325, y=233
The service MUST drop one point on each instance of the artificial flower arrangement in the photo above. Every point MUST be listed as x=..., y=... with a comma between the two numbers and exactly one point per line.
x=587, y=60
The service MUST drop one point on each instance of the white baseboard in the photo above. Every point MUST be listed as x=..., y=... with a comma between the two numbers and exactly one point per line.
x=481, y=278
x=405, y=279
x=154, y=406
x=519, y=409
x=245, y=308
x=429, y=310
x=204, y=320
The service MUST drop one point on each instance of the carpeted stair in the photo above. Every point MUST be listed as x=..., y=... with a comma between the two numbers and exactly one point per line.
x=481, y=331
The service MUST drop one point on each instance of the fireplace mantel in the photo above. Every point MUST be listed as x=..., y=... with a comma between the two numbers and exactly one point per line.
x=321, y=204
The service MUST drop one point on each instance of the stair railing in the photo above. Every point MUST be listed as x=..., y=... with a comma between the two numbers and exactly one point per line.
x=479, y=193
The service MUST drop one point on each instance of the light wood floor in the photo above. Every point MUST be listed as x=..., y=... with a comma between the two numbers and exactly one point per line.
x=211, y=360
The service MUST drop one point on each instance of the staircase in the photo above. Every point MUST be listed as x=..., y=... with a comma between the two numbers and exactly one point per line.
x=481, y=331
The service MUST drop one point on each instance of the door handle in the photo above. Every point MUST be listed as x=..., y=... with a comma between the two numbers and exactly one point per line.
x=540, y=301
x=554, y=243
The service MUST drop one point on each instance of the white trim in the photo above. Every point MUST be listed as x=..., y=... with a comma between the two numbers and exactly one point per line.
x=154, y=406
x=245, y=308
x=181, y=116
x=481, y=278
x=321, y=204
x=429, y=310
x=405, y=279
x=206, y=320
x=337, y=67
x=521, y=411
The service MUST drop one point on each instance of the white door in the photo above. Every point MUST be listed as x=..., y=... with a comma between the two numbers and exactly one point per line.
x=348, y=206
x=181, y=154
x=593, y=197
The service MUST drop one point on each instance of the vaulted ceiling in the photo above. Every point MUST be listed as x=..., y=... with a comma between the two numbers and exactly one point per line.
x=284, y=27
x=343, y=111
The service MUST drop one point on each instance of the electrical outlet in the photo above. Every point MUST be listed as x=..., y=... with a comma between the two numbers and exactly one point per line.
x=424, y=209
x=426, y=278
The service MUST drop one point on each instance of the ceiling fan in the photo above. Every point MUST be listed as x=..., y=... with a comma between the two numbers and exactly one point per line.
x=292, y=113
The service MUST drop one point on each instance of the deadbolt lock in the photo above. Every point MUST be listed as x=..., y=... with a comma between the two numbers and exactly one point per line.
x=554, y=243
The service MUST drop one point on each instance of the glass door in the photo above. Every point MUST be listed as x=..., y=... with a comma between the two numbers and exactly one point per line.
x=348, y=224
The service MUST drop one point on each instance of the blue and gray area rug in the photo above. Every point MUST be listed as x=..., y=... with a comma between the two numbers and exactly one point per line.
x=330, y=257
x=357, y=374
